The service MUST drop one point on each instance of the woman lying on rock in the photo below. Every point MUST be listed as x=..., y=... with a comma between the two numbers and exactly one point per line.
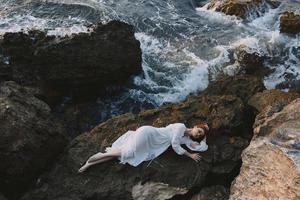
x=148, y=142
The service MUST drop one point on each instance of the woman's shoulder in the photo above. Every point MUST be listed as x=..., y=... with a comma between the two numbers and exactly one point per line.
x=177, y=125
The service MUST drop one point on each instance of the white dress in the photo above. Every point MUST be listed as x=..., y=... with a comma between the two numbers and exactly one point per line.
x=148, y=142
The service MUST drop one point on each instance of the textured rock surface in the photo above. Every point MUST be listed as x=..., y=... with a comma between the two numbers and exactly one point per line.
x=155, y=191
x=290, y=23
x=243, y=86
x=250, y=61
x=81, y=64
x=217, y=192
x=271, y=98
x=29, y=138
x=225, y=114
x=241, y=8
x=271, y=163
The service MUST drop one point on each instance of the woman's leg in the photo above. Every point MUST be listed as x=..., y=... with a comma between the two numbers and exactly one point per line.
x=94, y=157
x=87, y=165
x=100, y=158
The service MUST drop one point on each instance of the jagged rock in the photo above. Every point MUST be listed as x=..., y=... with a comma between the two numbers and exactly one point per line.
x=243, y=86
x=217, y=192
x=272, y=97
x=242, y=8
x=250, y=61
x=247, y=78
x=29, y=138
x=82, y=64
x=225, y=114
x=246, y=60
x=290, y=23
x=271, y=163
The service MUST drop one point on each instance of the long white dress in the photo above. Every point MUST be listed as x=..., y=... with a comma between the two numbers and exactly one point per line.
x=148, y=142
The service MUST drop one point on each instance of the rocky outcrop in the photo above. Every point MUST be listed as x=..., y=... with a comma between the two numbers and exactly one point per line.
x=243, y=86
x=246, y=60
x=250, y=61
x=242, y=8
x=290, y=23
x=273, y=97
x=80, y=65
x=169, y=172
x=29, y=138
x=271, y=164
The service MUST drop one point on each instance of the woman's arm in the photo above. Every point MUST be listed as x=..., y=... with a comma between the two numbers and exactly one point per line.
x=196, y=146
x=176, y=146
x=176, y=139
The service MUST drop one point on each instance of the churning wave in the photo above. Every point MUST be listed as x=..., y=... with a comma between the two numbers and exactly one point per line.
x=183, y=46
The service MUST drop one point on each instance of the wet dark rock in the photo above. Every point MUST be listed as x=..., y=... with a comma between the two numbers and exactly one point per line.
x=30, y=138
x=250, y=61
x=111, y=180
x=80, y=65
x=242, y=8
x=290, y=23
x=81, y=117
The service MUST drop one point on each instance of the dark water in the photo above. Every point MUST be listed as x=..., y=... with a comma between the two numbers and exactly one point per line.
x=183, y=46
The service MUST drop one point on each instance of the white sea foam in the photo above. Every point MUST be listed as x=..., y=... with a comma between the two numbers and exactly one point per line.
x=266, y=22
x=28, y=22
x=167, y=84
x=287, y=48
x=21, y=22
x=217, y=17
x=62, y=31
x=252, y=44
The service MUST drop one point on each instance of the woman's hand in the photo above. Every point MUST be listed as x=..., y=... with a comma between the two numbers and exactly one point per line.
x=206, y=126
x=195, y=156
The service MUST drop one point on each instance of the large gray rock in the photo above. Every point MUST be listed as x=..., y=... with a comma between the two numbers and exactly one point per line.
x=30, y=139
x=81, y=64
x=271, y=163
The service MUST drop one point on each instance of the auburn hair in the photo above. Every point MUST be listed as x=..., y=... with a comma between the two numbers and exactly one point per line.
x=203, y=126
x=206, y=130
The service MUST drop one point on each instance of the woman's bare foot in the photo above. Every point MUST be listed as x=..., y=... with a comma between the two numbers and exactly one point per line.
x=83, y=168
